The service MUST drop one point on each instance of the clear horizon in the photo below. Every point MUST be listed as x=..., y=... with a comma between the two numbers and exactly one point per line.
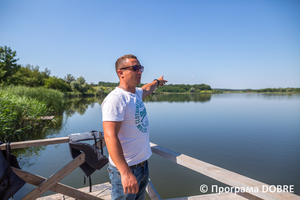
x=225, y=44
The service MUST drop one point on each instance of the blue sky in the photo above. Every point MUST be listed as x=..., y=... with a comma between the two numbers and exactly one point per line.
x=235, y=44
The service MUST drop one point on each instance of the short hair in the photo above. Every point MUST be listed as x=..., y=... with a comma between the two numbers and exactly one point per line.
x=120, y=61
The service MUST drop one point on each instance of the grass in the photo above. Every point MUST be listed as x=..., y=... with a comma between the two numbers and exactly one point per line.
x=52, y=98
x=20, y=108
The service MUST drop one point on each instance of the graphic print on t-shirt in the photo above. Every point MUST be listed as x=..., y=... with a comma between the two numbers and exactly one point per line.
x=140, y=114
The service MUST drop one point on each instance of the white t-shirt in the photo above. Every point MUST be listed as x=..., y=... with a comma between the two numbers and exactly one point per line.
x=120, y=105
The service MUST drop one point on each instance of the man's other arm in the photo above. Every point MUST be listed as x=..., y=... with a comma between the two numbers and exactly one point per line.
x=111, y=130
x=150, y=87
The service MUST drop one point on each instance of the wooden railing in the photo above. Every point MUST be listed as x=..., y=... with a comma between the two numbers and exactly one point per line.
x=217, y=173
x=51, y=183
x=222, y=175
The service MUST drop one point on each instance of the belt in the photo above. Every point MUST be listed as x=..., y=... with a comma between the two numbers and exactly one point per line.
x=138, y=165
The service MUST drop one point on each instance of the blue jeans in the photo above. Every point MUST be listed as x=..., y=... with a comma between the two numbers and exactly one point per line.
x=117, y=192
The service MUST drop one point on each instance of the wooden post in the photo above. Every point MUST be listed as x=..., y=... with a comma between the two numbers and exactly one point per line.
x=153, y=194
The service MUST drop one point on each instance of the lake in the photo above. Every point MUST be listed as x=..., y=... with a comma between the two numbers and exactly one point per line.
x=255, y=135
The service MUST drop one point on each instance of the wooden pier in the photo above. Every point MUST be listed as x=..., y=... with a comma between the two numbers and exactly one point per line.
x=102, y=191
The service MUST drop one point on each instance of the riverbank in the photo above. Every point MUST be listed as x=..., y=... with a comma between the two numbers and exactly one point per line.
x=202, y=92
x=21, y=109
x=253, y=92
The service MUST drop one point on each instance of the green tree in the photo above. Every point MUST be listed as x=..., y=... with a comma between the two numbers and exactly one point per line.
x=100, y=90
x=79, y=85
x=75, y=86
x=81, y=80
x=107, y=84
x=8, y=65
x=192, y=89
x=32, y=76
x=69, y=78
x=56, y=83
x=109, y=89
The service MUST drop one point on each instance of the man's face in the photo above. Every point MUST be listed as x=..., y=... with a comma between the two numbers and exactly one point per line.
x=131, y=77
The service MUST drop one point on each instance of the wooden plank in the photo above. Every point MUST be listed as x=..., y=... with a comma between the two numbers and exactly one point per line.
x=102, y=191
x=153, y=194
x=46, y=118
x=248, y=196
x=41, y=118
x=57, y=187
x=220, y=174
x=33, y=143
x=41, y=142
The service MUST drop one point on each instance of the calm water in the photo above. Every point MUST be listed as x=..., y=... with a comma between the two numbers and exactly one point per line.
x=256, y=135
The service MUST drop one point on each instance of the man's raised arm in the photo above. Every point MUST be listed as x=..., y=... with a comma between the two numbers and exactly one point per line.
x=150, y=87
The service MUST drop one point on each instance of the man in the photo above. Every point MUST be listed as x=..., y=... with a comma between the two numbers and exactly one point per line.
x=126, y=130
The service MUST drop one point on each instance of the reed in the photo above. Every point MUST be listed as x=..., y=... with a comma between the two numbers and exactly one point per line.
x=21, y=107
x=53, y=99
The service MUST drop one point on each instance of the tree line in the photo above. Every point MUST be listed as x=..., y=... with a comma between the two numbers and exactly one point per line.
x=280, y=90
x=171, y=88
x=182, y=88
x=12, y=73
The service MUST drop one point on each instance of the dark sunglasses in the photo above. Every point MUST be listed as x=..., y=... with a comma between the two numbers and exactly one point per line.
x=135, y=68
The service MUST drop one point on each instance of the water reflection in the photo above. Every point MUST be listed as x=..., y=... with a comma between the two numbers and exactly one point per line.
x=27, y=156
x=280, y=96
x=80, y=105
x=267, y=96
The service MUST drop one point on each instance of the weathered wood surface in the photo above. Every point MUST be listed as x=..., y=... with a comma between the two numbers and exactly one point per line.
x=58, y=187
x=153, y=194
x=46, y=118
x=220, y=174
x=41, y=142
x=34, y=143
x=101, y=191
